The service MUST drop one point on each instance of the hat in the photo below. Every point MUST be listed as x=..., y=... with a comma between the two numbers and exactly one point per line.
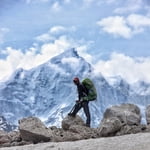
x=76, y=79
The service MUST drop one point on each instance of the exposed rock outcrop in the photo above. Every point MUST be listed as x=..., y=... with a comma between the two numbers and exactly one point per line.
x=120, y=119
x=126, y=113
x=32, y=129
x=147, y=114
x=109, y=126
x=68, y=121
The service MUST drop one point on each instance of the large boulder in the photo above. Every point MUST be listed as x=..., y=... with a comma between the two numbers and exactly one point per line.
x=77, y=129
x=69, y=121
x=127, y=113
x=32, y=129
x=109, y=126
x=147, y=114
x=117, y=118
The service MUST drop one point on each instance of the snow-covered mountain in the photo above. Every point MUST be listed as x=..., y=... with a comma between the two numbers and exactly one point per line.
x=48, y=92
x=5, y=126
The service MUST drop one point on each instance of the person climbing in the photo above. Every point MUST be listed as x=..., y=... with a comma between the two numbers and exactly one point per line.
x=86, y=93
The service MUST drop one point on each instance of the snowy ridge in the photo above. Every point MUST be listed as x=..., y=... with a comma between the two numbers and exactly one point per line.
x=5, y=126
x=47, y=91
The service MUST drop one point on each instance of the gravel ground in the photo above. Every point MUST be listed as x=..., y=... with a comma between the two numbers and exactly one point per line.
x=140, y=141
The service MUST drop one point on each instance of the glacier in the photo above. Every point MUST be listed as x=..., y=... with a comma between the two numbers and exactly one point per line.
x=47, y=91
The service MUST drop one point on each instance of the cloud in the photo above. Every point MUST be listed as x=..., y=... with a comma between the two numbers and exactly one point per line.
x=120, y=26
x=55, y=31
x=17, y=59
x=115, y=25
x=44, y=37
x=138, y=22
x=130, y=6
x=34, y=56
x=82, y=51
x=131, y=69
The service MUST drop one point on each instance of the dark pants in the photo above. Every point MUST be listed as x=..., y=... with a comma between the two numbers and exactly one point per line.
x=84, y=105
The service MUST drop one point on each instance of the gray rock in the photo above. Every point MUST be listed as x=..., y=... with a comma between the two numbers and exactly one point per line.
x=4, y=138
x=109, y=126
x=68, y=121
x=83, y=131
x=147, y=114
x=32, y=129
x=126, y=129
x=127, y=113
x=61, y=135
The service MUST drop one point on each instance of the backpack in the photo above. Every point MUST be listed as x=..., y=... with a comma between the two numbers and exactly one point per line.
x=91, y=90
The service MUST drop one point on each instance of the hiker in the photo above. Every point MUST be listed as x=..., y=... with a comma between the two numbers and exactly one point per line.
x=83, y=100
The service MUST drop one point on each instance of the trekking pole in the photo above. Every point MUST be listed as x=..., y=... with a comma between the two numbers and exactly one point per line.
x=72, y=109
x=77, y=102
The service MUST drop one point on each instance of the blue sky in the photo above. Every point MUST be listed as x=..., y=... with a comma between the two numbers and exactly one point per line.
x=113, y=35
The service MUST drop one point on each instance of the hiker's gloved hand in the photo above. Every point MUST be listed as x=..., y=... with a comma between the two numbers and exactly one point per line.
x=77, y=101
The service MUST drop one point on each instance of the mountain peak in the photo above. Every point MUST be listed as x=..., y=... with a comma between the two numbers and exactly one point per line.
x=66, y=54
x=74, y=52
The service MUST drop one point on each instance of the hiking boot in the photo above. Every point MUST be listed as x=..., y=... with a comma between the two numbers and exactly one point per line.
x=87, y=125
x=71, y=115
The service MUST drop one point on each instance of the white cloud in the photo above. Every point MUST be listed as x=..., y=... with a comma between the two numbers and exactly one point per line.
x=82, y=50
x=130, y=6
x=131, y=69
x=124, y=27
x=57, y=29
x=17, y=59
x=138, y=21
x=115, y=25
x=9, y=65
x=44, y=37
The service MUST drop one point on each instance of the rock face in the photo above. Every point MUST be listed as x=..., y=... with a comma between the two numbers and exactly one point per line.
x=126, y=113
x=32, y=129
x=147, y=114
x=109, y=126
x=68, y=121
x=117, y=117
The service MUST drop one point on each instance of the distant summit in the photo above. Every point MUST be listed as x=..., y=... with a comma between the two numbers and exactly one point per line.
x=66, y=54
